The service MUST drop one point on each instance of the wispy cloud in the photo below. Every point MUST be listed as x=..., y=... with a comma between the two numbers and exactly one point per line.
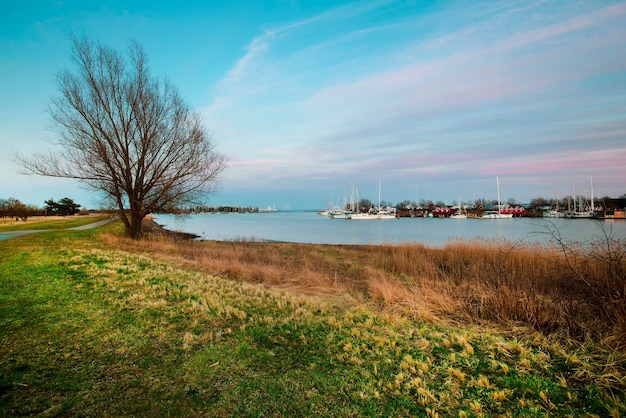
x=388, y=90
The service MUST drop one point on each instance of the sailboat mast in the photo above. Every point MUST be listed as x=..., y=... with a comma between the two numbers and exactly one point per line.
x=417, y=202
x=557, y=201
x=352, y=198
x=592, y=207
x=498, y=184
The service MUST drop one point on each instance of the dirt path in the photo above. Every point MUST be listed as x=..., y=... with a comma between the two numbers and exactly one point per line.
x=13, y=234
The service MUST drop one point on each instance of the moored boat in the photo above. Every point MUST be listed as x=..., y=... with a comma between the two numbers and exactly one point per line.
x=554, y=211
x=497, y=214
x=492, y=214
x=586, y=214
x=382, y=213
x=340, y=213
x=583, y=211
x=461, y=213
x=458, y=215
x=376, y=214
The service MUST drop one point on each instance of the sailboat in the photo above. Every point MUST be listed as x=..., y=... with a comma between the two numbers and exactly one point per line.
x=343, y=213
x=554, y=213
x=460, y=214
x=324, y=212
x=582, y=212
x=379, y=213
x=498, y=214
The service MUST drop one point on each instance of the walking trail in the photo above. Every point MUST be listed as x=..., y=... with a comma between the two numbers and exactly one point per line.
x=13, y=234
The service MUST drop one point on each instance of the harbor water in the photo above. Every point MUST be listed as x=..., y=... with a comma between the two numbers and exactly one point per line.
x=309, y=227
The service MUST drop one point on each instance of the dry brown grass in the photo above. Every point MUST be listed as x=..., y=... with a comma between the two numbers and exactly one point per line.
x=575, y=291
x=10, y=220
x=34, y=221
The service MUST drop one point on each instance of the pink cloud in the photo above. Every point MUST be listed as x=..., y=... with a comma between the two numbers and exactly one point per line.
x=562, y=162
x=238, y=162
x=573, y=25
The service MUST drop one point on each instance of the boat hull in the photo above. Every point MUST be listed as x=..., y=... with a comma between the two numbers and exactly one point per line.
x=497, y=216
x=372, y=216
x=553, y=214
x=581, y=215
x=341, y=214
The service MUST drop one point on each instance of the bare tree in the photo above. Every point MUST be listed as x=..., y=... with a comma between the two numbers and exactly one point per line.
x=127, y=134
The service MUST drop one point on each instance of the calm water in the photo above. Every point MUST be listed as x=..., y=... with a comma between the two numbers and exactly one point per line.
x=309, y=227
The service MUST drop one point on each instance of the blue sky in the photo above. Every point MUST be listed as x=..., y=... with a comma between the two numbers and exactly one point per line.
x=306, y=98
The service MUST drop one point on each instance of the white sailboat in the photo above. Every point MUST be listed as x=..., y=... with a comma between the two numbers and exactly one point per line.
x=377, y=214
x=344, y=213
x=324, y=212
x=554, y=213
x=460, y=214
x=340, y=213
x=497, y=214
x=583, y=212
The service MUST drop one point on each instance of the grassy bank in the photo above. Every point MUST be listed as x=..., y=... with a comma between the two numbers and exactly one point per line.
x=574, y=289
x=94, y=324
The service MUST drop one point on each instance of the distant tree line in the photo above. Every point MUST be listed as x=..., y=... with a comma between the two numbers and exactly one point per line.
x=539, y=203
x=13, y=208
x=363, y=205
x=219, y=209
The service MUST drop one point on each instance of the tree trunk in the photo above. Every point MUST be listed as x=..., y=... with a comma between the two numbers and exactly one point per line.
x=132, y=222
x=136, y=218
x=135, y=226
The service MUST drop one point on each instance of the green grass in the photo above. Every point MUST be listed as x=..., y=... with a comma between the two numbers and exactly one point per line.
x=91, y=330
x=49, y=223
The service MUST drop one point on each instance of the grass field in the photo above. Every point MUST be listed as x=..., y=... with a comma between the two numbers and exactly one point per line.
x=95, y=324
x=48, y=222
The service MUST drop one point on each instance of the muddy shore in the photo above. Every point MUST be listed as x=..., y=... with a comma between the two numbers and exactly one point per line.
x=150, y=227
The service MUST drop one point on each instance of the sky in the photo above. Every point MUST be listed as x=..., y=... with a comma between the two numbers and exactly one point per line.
x=430, y=99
